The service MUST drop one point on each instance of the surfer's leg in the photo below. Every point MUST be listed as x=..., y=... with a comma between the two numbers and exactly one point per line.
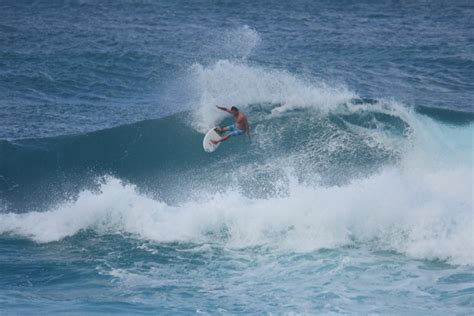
x=234, y=131
x=223, y=129
x=226, y=137
x=223, y=139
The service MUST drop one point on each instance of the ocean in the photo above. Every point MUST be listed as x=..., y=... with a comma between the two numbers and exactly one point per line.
x=353, y=195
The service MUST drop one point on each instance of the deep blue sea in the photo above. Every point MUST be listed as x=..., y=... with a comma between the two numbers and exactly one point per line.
x=354, y=194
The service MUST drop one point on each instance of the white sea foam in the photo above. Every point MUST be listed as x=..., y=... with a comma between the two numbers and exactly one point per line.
x=238, y=83
x=407, y=213
x=232, y=80
x=422, y=207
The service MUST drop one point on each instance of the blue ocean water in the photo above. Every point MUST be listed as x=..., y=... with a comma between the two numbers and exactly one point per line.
x=353, y=195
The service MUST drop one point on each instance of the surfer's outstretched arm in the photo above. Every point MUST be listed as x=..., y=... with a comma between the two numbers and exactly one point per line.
x=223, y=109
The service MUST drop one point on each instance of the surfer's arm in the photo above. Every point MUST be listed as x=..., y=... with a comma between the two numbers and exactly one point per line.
x=247, y=131
x=223, y=109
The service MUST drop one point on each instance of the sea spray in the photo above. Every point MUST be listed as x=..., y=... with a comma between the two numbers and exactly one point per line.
x=239, y=83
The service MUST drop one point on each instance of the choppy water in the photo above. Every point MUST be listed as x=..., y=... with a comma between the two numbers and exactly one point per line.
x=354, y=195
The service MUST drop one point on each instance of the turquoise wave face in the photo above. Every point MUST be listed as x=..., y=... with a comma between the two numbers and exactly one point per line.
x=165, y=156
x=362, y=173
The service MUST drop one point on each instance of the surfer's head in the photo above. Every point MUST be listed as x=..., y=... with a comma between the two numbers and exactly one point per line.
x=234, y=109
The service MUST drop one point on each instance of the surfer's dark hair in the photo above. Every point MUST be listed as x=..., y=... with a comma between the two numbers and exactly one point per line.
x=234, y=108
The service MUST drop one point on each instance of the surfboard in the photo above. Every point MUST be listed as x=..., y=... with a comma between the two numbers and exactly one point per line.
x=206, y=143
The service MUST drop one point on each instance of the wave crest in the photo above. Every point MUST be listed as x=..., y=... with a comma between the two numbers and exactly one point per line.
x=238, y=83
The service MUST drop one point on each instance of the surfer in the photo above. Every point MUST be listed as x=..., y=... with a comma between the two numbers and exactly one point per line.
x=240, y=126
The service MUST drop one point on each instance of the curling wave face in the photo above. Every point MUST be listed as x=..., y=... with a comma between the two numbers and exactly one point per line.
x=366, y=172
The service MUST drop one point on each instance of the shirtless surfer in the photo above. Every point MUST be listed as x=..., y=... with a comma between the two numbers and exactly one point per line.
x=240, y=126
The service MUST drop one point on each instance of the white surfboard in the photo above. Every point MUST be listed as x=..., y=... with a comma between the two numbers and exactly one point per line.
x=206, y=143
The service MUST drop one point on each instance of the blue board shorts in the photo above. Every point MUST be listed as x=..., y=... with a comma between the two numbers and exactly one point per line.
x=233, y=130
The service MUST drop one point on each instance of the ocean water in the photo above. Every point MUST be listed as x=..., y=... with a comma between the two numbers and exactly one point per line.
x=354, y=194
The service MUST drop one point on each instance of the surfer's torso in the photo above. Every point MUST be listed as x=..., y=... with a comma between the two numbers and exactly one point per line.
x=241, y=121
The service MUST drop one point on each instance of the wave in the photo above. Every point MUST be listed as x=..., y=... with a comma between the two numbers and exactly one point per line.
x=419, y=204
x=324, y=168
x=157, y=154
x=424, y=217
